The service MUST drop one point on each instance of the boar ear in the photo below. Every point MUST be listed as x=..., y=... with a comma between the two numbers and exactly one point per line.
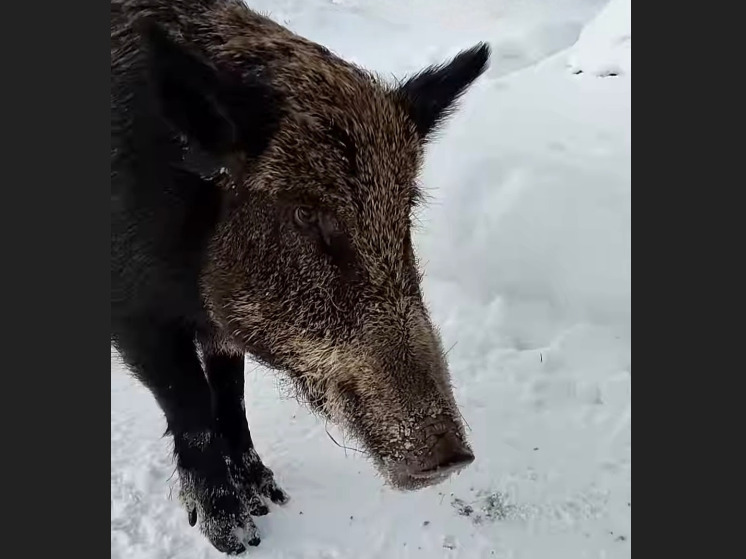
x=431, y=95
x=218, y=113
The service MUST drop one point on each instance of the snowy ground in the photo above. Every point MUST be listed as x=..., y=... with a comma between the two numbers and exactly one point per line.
x=528, y=250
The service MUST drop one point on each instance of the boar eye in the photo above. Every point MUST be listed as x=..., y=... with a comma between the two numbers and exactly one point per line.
x=304, y=216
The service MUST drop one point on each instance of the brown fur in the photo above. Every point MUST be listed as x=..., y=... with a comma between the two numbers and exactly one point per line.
x=349, y=328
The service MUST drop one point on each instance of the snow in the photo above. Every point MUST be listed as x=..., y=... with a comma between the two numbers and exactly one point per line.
x=605, y=45
x=527, y=246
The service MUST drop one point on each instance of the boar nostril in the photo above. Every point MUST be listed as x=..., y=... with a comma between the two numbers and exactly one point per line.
x=446, y=456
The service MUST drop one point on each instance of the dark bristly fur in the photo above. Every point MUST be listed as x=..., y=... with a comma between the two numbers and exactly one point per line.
x=261, y=198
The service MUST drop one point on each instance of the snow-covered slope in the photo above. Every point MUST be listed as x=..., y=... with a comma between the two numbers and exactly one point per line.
x=527, y=245
x=605, y=46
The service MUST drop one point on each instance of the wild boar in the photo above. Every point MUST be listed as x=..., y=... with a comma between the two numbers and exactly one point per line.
x=262, y=192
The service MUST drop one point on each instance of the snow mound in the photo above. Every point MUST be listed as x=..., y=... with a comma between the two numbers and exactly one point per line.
x=605, y=45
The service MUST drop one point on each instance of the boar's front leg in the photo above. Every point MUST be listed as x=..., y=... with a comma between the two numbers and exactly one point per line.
x=164, y=357
x=225, y=374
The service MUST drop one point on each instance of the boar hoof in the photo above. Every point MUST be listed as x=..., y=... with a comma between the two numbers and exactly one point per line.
x=256, y=483
x=220, y=511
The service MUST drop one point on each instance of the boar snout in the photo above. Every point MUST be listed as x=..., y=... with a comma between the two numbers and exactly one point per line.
x=447, y=456
x=440, y=453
